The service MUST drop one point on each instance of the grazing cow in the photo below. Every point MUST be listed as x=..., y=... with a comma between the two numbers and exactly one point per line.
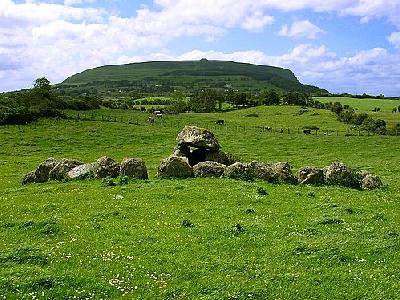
x=157, y=112
x=151, y=120
x=307, y=131
x=220, y=122
x=267, y=128
x=159, y=115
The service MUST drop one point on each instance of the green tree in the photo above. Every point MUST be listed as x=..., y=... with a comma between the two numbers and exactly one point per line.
x=204, y=101
x=271, y=98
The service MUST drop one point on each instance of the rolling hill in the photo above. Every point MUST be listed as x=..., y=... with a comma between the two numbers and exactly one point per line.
x=165, y=76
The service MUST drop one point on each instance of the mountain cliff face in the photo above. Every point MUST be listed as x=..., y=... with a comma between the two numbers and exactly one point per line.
x=169, y=75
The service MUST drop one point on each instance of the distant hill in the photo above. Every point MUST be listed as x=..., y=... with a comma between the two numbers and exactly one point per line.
x=165, y=76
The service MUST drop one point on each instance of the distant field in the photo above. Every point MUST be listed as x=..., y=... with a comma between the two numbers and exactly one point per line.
x=88, y=241
x=367, y=105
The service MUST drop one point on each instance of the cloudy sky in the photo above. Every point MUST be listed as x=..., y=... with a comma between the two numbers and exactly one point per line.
x=342, y=45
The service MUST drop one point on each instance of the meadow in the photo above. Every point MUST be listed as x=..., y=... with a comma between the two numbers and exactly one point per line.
x=202, y=238
x=366, y=105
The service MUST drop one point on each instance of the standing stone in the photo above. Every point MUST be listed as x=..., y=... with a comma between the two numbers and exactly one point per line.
x=61, y=169
x=262, y=171
x=311, y=175
x=134, y=167
x=340, y=174
x=28, y=178
x=175, y=166
x=283, y=172
x=42, y=172
x=106, y=166
x=238, y=170
x=209, y=169
x=369, y=181
x=81, y=172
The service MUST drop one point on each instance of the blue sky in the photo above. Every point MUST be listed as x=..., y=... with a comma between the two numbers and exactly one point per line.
x=344, y=46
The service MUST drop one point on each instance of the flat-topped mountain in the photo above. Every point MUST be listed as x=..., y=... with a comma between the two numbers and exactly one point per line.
x=169, y=75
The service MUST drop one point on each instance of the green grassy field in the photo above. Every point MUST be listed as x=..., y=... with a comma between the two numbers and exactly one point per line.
x=84, y=240
x=367, y=105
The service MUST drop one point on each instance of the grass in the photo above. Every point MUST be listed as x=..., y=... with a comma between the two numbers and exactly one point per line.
x=367, y=105
x=197, y=238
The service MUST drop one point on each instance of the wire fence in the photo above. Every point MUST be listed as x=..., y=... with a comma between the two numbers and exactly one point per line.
x=225, y=126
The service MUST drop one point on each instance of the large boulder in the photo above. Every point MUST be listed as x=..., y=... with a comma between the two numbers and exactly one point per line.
x=106, y=167
x=81, y=172
x=175, y=166
x=283, y=173
x=134, y=167
x=369, y=181
x=42, y=172
x=220, y=157
x=61, y=169
x=197, y=137
x=340, y=174
x=311, y=175
x=238, y=170
x=209, y=169
x=28, y=178
x=261, y=171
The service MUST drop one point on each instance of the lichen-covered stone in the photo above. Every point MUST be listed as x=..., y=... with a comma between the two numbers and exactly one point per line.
x=238, y=170
x=283, y=173
x=197, y=137
x=175, y=166
x=61, y=169
x=28, y=178
x=340, y=174
x=134, y=167
x=209, y=169
x=106, y=167
x=42, y=172
x=81, y=172
x=311, y=175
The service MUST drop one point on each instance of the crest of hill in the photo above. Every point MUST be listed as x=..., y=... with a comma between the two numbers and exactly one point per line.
x=191, y=74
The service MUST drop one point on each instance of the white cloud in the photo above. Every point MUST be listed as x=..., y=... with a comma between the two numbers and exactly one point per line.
x=394, y=39
x=257, y=22
x=301, y=29
x=54, y=40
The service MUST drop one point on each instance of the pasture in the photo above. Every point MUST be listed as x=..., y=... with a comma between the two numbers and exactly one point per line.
x=367, y=105
x=197, y=238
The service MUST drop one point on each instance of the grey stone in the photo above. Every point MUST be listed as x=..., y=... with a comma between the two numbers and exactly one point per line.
x=61, y=169
x=28, y=178
x=311, y=175
x=175, y=166
x=81, y=172
x=238, y=170
x=370, y=182
x=106, y=166
x=262, y=171
x=134, y=167
x=219, y=156
x=42, y=172
x=283, y=173
x=197, y=137
x=340, y=174
x=209, y=169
